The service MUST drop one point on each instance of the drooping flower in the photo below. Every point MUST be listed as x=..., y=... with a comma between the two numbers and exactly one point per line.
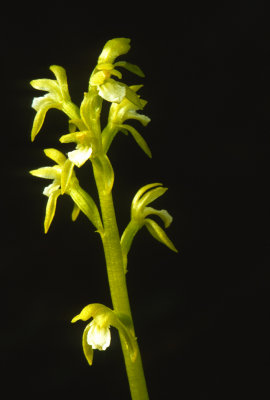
x=97, y=335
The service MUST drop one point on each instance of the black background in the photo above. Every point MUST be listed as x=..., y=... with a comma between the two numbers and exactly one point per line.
x=201, y=316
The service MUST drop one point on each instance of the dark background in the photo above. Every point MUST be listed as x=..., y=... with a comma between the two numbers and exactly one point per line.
x=202, y=316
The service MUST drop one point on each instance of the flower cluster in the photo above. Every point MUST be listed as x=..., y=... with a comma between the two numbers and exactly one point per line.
x=84, y=126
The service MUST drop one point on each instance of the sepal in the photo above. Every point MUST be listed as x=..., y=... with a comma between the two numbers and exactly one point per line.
x=75, y=212
x=138, y=138
x=112, y=91
x=146, y=196
x=55, y=155
x=87, y=350
x=130, y=67
x=66, y=175
x=42, y=105
x=61, y=78
x=50, y=209
x=158, y=233
x=113, y=49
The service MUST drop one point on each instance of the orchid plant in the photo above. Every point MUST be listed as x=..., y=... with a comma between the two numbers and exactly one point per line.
x=92, y=144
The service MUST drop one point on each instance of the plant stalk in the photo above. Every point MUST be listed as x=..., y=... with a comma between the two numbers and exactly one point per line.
x=118, y=286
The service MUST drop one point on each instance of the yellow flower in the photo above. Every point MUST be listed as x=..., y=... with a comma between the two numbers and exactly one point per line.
x=61, y=175
x=108, y=88
x=97, y=334
x=65, y=181
x=83, y=149
x=125, y=110
x=140, y=212
x=88, y=137
x=57, y=97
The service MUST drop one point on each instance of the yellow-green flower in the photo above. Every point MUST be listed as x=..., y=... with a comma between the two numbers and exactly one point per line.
x=88, y=137
x=126, y=109
x=140, y=212
x=57, y=97
x=61, y=174
x=97, y=334
x=108, y=88
x=84, y=147
x=65, y=181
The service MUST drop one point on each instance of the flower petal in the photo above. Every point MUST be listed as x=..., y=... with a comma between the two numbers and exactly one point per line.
x=88, y=350
x=66, y=175
x=138, y=138
x=61, y=76
x=45, y=172
x=150, y=196
x=75, y=212
x=141, y=191
x=133, y=98
x=98, y=78
x=113, y=49
x=56, y=156
x=112, y=91
x=162, y=214
x=48, y=85
x=132, y=114
x=42, y=105
x=99, y=337
x=53, y=187
x=158, y=233
x=130, y=67
x=81, y=155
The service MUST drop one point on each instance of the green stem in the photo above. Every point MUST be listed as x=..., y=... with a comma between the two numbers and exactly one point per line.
x=108, y=135
x=118, y=287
